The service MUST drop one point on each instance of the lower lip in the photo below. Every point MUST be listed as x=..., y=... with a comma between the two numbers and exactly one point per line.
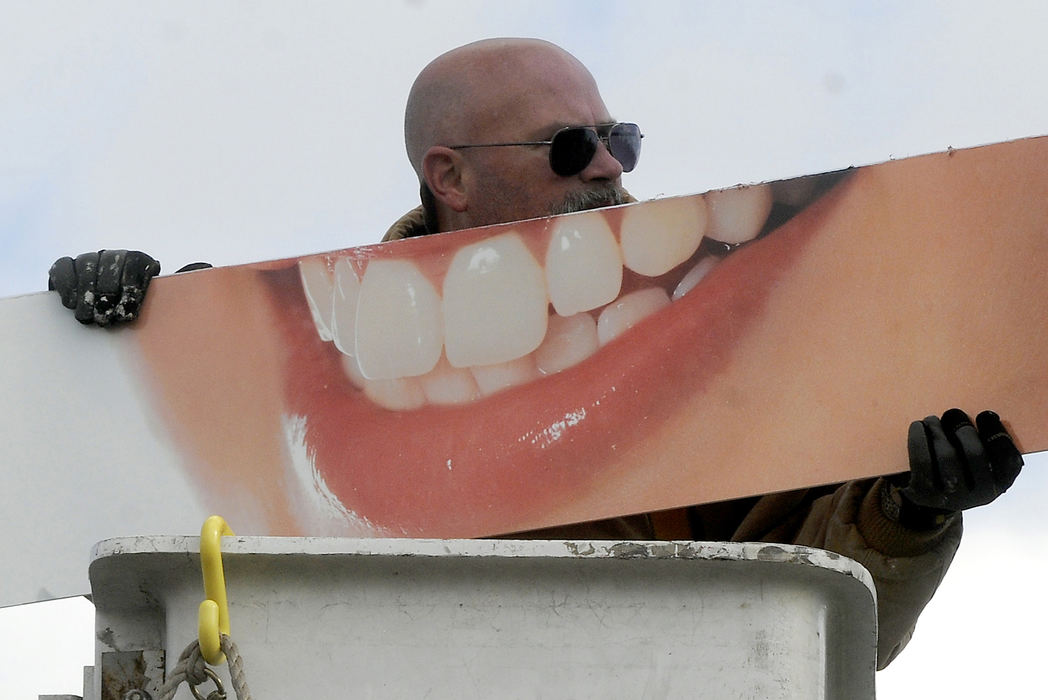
x=499, y=464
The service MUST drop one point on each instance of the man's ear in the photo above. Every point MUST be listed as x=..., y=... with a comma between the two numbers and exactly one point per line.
x=442, y=171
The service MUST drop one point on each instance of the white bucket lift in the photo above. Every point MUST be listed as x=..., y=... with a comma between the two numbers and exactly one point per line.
x=327, y=618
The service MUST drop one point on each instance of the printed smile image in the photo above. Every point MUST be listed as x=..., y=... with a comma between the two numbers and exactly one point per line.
x=666, y=353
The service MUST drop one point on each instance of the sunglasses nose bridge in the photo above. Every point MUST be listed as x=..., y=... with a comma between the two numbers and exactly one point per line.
x=605, y=165
x=605, y=140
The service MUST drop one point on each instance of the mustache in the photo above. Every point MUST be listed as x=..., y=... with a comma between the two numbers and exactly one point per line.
x=602, y=196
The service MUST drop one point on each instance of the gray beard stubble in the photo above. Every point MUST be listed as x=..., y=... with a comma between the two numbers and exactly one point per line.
x=604, y=196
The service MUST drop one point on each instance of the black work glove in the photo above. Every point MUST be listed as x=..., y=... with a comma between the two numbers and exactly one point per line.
x=104, y=287
x=108, y=286
x=953, y=466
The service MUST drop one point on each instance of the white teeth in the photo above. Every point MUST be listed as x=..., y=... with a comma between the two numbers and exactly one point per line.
x=583, y=264
x=694, y=276
x=352, y=371
x=344, y=312
x=494, y=303
x=496, y=377
x=317, y=285
x=737, y=216
x=399, y=329
x=662, y=234
x=406, y=346
x=396, y=394
x=449, y=385
x=628, y=311
x=569, y=341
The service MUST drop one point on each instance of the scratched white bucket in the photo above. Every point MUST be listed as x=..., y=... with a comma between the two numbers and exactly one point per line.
x=326, y=617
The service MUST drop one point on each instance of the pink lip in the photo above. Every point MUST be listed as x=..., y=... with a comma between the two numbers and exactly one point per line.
x=471, y=470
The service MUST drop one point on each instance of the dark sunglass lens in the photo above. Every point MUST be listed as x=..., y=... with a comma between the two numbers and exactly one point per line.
x=624, y=144
x=572, y=150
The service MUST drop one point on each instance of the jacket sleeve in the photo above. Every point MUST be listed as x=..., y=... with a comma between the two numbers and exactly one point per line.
x=907, y=565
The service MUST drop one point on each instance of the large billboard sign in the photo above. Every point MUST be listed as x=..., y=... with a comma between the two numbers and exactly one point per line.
x=666, y=353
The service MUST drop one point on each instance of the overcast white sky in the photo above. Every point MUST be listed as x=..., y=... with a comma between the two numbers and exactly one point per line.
x=236, y=132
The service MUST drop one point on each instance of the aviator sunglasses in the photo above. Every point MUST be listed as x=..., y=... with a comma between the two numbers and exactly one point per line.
x=572, y=148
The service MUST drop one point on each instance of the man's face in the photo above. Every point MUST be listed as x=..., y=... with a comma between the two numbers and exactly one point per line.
x=516, y=182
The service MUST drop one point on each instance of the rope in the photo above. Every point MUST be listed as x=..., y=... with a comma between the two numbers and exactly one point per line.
x=236, y=668
x=191, y=669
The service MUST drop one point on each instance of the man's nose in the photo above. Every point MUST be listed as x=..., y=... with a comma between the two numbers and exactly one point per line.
x=603, y=166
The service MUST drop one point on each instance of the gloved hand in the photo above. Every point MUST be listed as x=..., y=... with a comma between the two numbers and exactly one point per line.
x=108, y=286
x=104, y=287
x=953, y=467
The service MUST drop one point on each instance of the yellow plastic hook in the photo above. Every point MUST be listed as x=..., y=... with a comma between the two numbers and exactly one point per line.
x=213, y=614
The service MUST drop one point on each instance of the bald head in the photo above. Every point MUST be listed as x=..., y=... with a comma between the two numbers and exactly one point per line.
x=503, y=91
x=464, y=94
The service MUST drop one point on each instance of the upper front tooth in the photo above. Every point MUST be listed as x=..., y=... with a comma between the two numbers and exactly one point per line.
x=494, y=303
x=398, y=321
x=737, y=215
x=583, y=264
x=661, y=234
x=316, y=283
x=352, y=371
x=344, y=311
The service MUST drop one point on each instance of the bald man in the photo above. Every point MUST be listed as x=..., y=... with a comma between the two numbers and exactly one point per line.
x=509, y=129
x=475, y=128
